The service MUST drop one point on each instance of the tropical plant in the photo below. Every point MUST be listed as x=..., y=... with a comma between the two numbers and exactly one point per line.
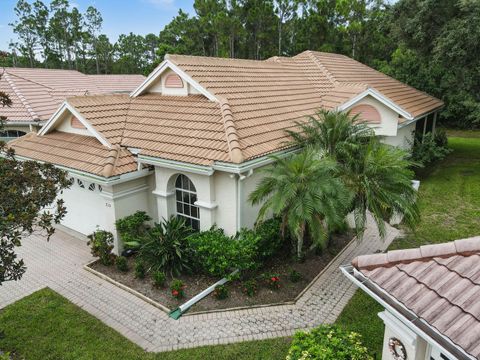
x=380, y=177
x=249, y=287
x=167, y=248
x=140, y=270
x=328, y=342
x=101, y=245
x=133, y=229
x=430, y=148
x=159, y=278
x=336, y=133
x=217, y=254
x=305, y=192
x=121, y=263
x=270, y=236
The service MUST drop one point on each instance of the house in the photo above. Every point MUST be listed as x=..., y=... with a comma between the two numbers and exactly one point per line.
x=37, y=93
x=430, y=295
x=191, y=139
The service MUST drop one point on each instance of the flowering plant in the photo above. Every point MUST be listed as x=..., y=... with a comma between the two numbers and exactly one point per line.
x=273, y=281
x=177, y=287
x=250, y=287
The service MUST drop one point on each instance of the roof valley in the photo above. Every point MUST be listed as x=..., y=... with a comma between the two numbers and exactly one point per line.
x=20, y=96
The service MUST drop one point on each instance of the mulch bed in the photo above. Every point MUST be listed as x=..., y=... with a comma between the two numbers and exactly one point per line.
x=195, y=283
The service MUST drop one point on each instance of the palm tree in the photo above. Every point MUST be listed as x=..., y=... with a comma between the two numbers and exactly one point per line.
x=380, y=178
x=336, y=133
x=306, y=193
x=378, y=175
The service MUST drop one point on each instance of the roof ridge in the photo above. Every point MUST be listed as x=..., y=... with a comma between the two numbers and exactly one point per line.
x=111, y=161
x=322, y=67
x=22, y=98
x=231, y=132
x=33, y=82
x=458, y=247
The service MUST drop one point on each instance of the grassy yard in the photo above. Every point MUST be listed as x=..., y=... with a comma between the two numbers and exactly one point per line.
x=47, y=326
x=450, y=207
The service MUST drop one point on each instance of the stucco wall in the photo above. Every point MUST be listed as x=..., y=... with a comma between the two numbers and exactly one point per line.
x=388, y=126
x=404, y=138
x=65, y=126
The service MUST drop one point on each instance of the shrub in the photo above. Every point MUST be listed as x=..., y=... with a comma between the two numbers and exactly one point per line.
x=250, y=287
x=133, y=229
x=167, y=248
x=121, y=263
x=272, y=281
x=430, y=149
x=270, y=237
x=101, y=245
x=139, y=269
x=177, y=287
x=159, y=278
x=294, y=276
x=327, y=342
x=217, y=254
x=220, y=292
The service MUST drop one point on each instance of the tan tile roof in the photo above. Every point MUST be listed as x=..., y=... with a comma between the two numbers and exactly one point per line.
x=37, y=93
x=74, y=151
x=438, y=283
x=258, y=101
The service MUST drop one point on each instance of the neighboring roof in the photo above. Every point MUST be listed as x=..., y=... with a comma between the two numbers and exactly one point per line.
x=74, y=151
x=37, y=93
x=439, y=283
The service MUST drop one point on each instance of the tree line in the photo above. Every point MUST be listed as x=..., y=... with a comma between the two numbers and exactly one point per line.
x=431, y=45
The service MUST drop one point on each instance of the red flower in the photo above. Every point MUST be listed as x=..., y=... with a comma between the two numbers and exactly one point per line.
x=175, y=292
x=274, y=278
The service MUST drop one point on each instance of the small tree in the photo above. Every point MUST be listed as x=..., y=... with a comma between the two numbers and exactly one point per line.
x=306, y=193
x=28, y=192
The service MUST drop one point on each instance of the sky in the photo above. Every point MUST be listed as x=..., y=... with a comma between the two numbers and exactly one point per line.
x=119, y=16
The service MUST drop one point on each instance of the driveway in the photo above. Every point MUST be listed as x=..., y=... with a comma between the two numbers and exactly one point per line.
x=58, y=264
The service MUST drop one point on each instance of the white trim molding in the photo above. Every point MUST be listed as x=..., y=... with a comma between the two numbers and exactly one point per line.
x=206, y=205
x=160, y=69
x=118, y=195
x=61, y=111
x=379, y=97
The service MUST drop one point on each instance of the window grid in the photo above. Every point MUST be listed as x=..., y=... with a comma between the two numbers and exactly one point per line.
x=186, y=196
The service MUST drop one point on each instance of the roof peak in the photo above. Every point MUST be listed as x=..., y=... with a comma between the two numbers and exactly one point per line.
x=426, y=252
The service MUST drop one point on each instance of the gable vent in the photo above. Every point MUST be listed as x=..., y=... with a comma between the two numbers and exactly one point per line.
x=366, y=113
x=76, y=124
x=173, y=81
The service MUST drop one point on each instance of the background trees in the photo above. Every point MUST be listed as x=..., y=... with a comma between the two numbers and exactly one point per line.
x=431, y=45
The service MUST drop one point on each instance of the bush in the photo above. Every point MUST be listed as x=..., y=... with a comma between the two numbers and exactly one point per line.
x=133, y=229
x=217, y=254
x=270, y=237
x=294, y=276
x=101, y=245
x=431, y=149
x=139, y=269
x=159, y=278
x=177, y=287
x=121, y=263
x=250, y=287
x=327, y=342
x=167, y=248
x=220, y=292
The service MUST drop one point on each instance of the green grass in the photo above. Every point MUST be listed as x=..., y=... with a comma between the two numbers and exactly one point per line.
x=449, y=199
x=47, y=326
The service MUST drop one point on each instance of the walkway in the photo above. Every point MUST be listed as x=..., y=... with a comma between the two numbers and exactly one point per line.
x=58, y=265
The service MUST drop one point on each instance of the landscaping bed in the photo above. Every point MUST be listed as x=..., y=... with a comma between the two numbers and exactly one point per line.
x=283, y=266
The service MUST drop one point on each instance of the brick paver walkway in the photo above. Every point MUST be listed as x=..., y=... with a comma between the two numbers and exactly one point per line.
x=58, y=264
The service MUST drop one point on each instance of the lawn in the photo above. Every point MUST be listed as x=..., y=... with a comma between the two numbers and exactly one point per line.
x=47, y=326
x=450, y=208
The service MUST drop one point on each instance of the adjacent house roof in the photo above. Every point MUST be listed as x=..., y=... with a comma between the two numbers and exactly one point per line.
x=243, y=107
x=439, y=284
x=37, y=93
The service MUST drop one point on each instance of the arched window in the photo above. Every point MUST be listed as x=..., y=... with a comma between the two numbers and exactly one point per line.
x=366, y=113
x=173, y=81
x=186, y=196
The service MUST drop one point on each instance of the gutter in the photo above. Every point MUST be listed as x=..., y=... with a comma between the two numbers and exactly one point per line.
x=383, y=298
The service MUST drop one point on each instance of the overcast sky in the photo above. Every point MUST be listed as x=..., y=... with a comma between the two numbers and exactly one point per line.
x=119, y=16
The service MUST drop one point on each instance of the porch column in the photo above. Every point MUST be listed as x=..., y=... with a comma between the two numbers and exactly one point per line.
x=424, y=126
x=434, y=122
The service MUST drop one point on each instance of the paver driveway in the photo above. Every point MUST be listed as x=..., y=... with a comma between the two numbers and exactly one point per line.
x=58, y=264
